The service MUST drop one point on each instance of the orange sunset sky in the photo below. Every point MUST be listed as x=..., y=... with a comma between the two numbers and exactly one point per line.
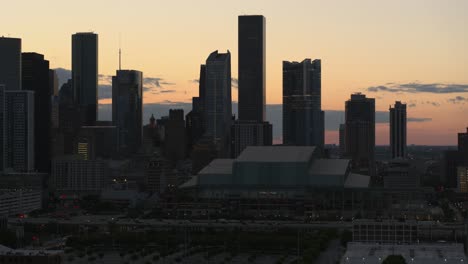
x=415, y=51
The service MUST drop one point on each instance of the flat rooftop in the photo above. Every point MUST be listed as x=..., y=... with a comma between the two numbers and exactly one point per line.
x=276, y=154
x=218, y=166
x=329, y=166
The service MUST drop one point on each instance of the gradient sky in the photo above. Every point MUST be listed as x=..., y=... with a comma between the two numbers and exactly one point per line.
x=414, y=51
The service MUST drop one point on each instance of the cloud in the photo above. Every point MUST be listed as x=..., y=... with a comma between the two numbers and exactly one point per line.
x=195, y=81
x=418, y=119
x=105, y=91
x=412, y=105
x=436, y=104
x=234, y=83
x=415, y=87
x=168, y=91
x=458, y=100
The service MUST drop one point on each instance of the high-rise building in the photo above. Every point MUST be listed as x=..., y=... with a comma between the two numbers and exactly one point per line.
x=18, y=130
x=35, y=77
x=85, y=74
x=250, y=133
x=463, y=146
x=342, y=140
x=303, y=118
x=10, y=63
x=218, y=111
x=251, y=68
x=398, y=130
x=175, y=137
x=194, y=122
x=127, y=109
x=462, y=179
x=360, y=131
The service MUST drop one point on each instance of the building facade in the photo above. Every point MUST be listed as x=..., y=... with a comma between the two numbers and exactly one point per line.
x=250, y=133
x=398, y=130
x=127, y=109
x=463, y=146
x=10, y=63
x=360, y=131
x=85, y=75
x=19, y=201
x=35, y=77
x=72, y=174
x=18, y=130
x=303, y=118
x=218, y=111
x=175, y=136
x=251, y=67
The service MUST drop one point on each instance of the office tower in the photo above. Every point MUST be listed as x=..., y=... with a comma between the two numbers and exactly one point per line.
x=303, y=118
x=35, y=77
x=194, y=119
x=127, y=109
x=398, y=130
x=85, y=75
x=175, y=137
x=342, y=140
x=451, y=159
x=159, y=175
x=10, y=63
x=250, y=133
x=18, y=129
x=360, y=131
x=463, y=146
x=74, y=174
x=218, y=112
x=251, y=44
x=401, y=174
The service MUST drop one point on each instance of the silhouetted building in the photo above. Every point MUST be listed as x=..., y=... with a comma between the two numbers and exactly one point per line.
x=10, y=63
x=218, y=112
x=175, y=137
x=127, y=109
x=69, y=121
x=451, y=159
x=462, y=179
x=72, y=174
x=250, y=133
x=18, y=130
x=360, y=131
x=96, y=142
x=85, y=75
x=194, y=121
x=342, y=140
x=35, y=77
x=251, y=68
x=400, y=175
x=398, y=130
x=303, y=118
x=204, y=151
x=463, y=146
x=150, y=134
x=160, y=175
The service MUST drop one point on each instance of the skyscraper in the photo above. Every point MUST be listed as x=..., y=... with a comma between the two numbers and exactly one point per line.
x=360, y=131
x=85, y=74
x=342, y=140
x=250, y=133
x=18, y=129
x=398, y=130
x=251, y=41
x=195, y=124
x=303, y=118
x=10, y=63
x=463, y=146
x=127, y=109
x=174, y=139
x=35, y=77
x=218, y=111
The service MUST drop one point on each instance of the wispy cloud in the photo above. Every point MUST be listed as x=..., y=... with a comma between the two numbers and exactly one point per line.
x=458, y=100
x=234, y=83
x=415, y=87
x=419, y=119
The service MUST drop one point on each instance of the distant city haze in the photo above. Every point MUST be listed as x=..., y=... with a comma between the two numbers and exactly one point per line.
x=410, y=51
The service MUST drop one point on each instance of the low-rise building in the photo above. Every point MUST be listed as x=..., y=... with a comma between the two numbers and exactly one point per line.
x=19, y=201
x=15, y=256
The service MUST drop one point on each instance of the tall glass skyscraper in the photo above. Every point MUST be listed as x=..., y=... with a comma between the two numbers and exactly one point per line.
x=303, y=118
x=251, y=68
x=218, y=111
x=10, y=63
x=398, y=130
x=127, y=109
x=85, y=74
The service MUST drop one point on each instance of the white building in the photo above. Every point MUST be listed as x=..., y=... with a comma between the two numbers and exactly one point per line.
x=13, y=202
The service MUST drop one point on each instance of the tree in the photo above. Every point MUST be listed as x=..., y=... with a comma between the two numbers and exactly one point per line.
x=394, y=259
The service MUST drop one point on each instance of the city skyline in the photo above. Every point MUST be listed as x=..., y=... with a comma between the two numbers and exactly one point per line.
x=409, y=59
